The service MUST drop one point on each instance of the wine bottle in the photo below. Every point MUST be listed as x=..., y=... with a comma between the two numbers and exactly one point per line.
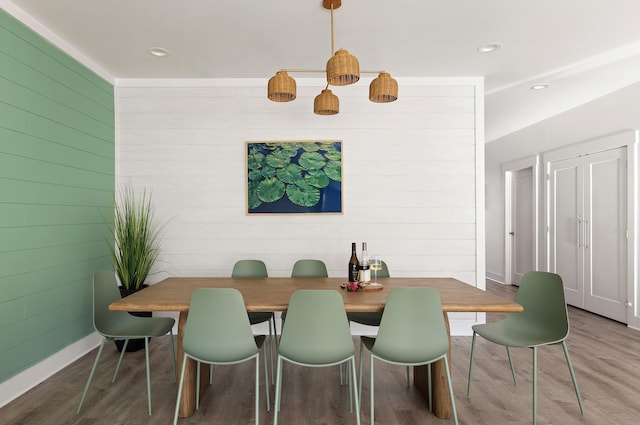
x=353, y=264
x=364, y=267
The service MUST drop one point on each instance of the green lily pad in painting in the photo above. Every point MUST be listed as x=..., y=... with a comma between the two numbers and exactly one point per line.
x=270, y=190
x=312, y=161
x=290, y=173
x=268, y=171
x=252, y=196
x=310, y=147
x=255, y=160
x=333, y=169
x=317, y=178
x=255, y=175
x=303, y=194
x=333, y=154
x=278, y=159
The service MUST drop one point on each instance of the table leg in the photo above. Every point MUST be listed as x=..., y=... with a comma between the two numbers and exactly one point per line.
x=439, y=387
x=188, y=399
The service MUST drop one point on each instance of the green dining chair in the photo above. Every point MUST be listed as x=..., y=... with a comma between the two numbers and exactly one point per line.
x=372, y=318
x=544, y=321
x=257, y=268
x=218, y=333
x=305, y=268
x=365, y=317
x=309, y=268
x=120, y=325
x=316, y=334
x=412, y=333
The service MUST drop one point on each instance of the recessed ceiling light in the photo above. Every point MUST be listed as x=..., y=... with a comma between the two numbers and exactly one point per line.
x=158, y=51
x=489, y=47
x=539, y=87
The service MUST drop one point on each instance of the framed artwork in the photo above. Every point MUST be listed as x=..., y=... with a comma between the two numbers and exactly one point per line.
x=294, y=177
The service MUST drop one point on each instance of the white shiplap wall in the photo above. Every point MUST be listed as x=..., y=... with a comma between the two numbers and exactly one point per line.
x=412, y=174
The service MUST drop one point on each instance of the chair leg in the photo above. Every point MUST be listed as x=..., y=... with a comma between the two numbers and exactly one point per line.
x=430, y=392
x=513, y=369
x=173, y=356
x=257, y=407
x=360, y=378
x=473, y=349
x=146, y=355
x=180, y=384
x=573, y=376
x=272, y=344
x=276, y=408
x=408, y=378
x=198, y=383
x=350, y=383
x=352, y=378
x=93, y=369
x=124, y=350
x=535, y=383
x=371, y=398
x=451, y=397
x=266, y=380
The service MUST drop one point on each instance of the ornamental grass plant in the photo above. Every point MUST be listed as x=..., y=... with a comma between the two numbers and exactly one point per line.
x=136, y=244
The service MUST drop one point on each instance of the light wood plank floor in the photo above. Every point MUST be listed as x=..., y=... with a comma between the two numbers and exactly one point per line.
x=606, y=358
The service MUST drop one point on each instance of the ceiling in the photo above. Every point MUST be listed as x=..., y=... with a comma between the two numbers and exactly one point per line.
x=582, y=49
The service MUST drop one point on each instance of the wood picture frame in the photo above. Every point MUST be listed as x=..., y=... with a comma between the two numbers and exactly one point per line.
x=294, y=177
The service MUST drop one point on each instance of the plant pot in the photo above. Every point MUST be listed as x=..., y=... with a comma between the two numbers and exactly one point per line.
x=135, y=344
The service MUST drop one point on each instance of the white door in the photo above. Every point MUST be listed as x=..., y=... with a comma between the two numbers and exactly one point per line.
x=605, y=240
x=565, y=218
x=523, y=224
x=587, y=230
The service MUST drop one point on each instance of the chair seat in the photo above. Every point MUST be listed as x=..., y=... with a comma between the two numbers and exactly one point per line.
x=259, y=317
x=521, y=336
x=365, y=318
x=128, y=326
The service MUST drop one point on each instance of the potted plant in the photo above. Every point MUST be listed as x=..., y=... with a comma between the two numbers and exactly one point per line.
x=136, y=245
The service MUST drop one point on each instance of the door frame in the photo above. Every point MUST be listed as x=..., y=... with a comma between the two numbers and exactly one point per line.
x=508, y=170
x=628, y=138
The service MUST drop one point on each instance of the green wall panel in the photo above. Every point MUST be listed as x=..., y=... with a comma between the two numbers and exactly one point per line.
x=57, y=172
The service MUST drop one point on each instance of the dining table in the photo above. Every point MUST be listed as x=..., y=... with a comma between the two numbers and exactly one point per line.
x=272, y=294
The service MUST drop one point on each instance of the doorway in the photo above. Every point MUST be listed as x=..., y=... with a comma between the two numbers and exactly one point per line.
x=521, y=218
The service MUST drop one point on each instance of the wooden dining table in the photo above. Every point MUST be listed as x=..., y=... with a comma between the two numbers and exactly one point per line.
x=273, y=293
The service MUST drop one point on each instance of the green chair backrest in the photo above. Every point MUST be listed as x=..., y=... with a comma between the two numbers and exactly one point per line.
x=105, y=291
x=412, y=329
x=309, y=268
x=385, y=270
x=316, y=331
x=218, y=328
x=545, y=313
x=249, y=268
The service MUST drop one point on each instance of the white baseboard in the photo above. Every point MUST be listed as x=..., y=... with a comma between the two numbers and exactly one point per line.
x=21, y=383
x=495, y=277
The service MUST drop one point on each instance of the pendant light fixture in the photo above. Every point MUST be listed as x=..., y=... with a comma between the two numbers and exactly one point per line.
x=342, y=69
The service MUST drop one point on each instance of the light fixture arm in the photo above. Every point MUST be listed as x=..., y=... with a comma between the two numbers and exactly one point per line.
x=332, y=46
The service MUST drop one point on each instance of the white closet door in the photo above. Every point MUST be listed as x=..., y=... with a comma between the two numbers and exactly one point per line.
x=587, y=230
x=605, y=238
x=565, y=219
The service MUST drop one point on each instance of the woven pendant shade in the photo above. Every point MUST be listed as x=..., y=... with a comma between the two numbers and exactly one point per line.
x=326, y=103
x=383, y=89
x=281, y=87
x=343, y=69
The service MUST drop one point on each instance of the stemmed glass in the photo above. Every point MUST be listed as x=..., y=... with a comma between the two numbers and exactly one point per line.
x=375, y=264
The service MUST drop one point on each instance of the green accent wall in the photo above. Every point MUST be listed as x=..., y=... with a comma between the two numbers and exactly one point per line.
x=57, y=161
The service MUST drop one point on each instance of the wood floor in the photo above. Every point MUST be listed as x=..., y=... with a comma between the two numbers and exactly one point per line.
x=606, y=357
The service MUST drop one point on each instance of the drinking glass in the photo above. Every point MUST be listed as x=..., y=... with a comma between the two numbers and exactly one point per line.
x=375, y=264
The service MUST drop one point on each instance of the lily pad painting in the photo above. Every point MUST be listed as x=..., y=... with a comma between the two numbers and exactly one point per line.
x=294, y=177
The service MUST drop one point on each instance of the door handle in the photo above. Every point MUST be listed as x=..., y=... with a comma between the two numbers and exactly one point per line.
x=512, y=233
